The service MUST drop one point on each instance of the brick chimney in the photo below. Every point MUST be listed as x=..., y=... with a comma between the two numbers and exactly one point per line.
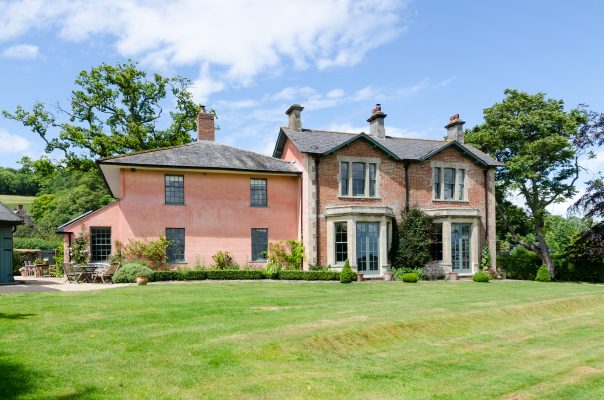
x=455, y=129
x=376, y=122
x=294, y=121
x=205, y=125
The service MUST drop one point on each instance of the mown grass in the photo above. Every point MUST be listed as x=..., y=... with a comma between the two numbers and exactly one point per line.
x=441, y=340
x=12, y=201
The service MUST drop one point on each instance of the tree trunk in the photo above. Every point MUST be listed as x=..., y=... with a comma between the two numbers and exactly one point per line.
x=544, y=250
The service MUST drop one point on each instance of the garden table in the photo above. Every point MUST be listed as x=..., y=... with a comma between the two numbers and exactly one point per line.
x=84, y=272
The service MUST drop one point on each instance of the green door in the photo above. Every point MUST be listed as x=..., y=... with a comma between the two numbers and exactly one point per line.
x=368, y=247
x=6, y=254
x=460, y=247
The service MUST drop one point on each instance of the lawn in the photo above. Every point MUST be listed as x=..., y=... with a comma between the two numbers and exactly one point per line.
x=219, y=340
x=11, y=201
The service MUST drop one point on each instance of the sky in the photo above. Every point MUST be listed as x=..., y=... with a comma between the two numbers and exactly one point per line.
x=249, y=60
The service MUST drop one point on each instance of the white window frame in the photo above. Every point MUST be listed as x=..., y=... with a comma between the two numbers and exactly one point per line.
x=457, y=167
x=366, y=161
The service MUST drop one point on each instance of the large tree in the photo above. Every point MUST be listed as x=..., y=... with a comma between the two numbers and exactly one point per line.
x=114, y=109
x=536, y=139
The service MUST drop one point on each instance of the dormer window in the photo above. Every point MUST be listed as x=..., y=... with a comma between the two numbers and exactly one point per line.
x=448, y=182
x=358, y=177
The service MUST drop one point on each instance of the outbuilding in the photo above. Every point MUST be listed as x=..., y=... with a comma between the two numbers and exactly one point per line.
x=8, y=221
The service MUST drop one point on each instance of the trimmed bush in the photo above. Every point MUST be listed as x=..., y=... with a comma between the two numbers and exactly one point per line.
x=35, y=243
x=297, y=275
x=195, y=275
x=347, y=275
x=235, y=274
x=410, y=277
x=481, y=276
x=129, y=272
x=543, y=275
x=159, y=276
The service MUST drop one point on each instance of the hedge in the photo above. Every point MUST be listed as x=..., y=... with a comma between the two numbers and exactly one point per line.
x=251, y=274
x=35, y=243
x=298, y=275
x=234, y=274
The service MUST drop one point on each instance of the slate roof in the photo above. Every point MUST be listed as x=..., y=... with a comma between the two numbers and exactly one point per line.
x=7, y=215
x=324, y=142
x=204, y=155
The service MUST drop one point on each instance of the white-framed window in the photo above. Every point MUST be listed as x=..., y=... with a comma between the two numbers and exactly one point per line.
x=449, y=182
x=358, y=177
x=341, y=242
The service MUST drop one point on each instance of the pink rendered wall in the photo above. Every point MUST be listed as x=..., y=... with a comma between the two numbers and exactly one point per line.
x=290, y=152
x=216, y=216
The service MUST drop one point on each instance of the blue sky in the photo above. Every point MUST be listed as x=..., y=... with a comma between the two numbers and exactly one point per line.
x=422, y=60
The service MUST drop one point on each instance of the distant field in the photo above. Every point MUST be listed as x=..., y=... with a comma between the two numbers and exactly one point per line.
x=11, y=201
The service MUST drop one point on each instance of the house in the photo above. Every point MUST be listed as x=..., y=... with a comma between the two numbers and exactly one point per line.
x=204, y=197
x=340, y=193
x=8, y=221
x=354, y=187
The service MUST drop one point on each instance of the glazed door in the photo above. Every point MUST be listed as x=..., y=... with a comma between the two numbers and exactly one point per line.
x=460, y=247
x=368, y=247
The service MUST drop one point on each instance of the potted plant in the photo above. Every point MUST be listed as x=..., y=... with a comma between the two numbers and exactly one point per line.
x=387, y=274
x=142, y=277
x=23, y=271
x=360, y=277
x=452, y=276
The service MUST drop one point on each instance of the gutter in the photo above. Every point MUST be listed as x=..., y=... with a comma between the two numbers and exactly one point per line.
x=406, y=170
x=486, y=205
x=317, y=209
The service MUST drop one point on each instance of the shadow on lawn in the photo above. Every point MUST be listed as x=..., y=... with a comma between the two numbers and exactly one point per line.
x=14, y=379
x=17, y=381
x=14, y=316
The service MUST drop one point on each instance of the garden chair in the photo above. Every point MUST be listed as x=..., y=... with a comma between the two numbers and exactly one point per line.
x=105, y=272
x=69, y=272
x=30, y=267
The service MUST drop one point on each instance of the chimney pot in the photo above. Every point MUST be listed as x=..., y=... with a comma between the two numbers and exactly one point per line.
x=455, y=129
x=205, y=125
x=294, y=121
x=376, y=122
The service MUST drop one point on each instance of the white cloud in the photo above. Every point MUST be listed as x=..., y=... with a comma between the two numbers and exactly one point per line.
x=239, y=38
x=205, y=85
x=21, y=52
x=13, y=144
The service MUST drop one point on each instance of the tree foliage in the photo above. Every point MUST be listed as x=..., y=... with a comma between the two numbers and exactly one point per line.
x=114, y=109
x=536, y=140
x=417, y=231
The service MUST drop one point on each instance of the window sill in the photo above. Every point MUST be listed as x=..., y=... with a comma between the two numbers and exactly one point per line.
x=359, y=198
x=450, y=201
x=170, y=204
x=176, y=262
x=251, y=206
x=258, y=261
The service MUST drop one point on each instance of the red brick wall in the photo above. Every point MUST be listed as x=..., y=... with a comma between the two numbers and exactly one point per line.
x=392, y=189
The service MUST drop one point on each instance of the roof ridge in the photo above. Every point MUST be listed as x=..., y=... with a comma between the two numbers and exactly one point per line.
x=252, y=152
x=147, y=151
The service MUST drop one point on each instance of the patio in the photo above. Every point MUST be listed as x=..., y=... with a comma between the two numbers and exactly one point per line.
x=50, y=284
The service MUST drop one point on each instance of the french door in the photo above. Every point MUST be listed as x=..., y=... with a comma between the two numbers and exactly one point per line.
x=368, y=247
x=460, y=247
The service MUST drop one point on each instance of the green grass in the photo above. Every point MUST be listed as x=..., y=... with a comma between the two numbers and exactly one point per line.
x=12, y=201
x=440, y=340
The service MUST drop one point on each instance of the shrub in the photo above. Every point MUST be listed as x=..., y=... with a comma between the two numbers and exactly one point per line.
x=129, y=272
x=543, y=275
x=481, y=276
x=288, y=255
x=152, y=250
x=159, y=276
x=224, y=260
x=297, y=275
x=36, y=243
x=194, y=275
x=485, y=259
x=18, y=261
x=78, y=251
x=417, y=233
x=347, y=275
x=318, y=267
x=520, y=264
x=433, y=271
x=271, y=270
x=235, y=274
x=410, y=277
